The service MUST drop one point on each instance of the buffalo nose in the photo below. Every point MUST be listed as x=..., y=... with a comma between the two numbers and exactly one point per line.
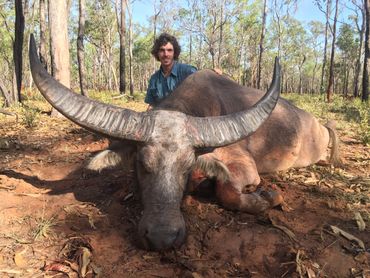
x=162, y=238
x=157, y=235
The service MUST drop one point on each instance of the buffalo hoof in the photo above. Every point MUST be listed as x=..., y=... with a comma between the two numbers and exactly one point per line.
x=273, y=197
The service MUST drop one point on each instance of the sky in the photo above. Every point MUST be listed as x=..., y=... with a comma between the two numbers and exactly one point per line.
x=306, y=11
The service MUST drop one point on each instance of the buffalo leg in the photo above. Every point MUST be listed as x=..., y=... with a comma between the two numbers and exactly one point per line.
x=237, y=186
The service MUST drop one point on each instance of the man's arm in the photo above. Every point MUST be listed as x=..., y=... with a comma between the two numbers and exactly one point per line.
x=149, y=98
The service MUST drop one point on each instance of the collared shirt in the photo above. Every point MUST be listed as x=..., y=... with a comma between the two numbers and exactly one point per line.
x=161, y=86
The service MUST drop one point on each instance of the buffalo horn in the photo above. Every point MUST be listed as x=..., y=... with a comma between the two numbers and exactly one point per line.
x=108, y=120
x=224, y=130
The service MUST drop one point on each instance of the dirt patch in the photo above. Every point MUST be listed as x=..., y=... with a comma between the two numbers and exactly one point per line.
x=48, y=201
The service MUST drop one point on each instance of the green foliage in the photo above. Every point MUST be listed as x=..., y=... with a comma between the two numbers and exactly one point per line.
x=364, y=123
x=30, y=117
x=346, y=41
x=115, y=98
x=346, y=112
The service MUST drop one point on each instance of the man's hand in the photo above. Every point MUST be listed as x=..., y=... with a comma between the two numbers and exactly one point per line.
x=149, y=108
x=218, y=71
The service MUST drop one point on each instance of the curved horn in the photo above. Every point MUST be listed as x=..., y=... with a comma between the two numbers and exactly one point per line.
x=224, y=130
x=109, y=120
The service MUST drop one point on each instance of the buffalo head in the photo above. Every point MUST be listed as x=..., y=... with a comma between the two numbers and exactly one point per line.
x=166, y=143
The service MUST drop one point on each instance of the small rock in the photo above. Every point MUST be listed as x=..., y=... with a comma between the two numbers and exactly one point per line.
x=4, y=144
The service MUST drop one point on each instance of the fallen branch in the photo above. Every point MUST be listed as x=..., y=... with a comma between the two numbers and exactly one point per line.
x=5, y=112
x=348, y=236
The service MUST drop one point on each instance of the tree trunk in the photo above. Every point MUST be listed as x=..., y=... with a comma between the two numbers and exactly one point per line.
x=122, y=49
x=80, y=47
x=59, y=46
x=365, y=78
x=313, y=78
x=221, y=37
x=361, y=30
x=6, y=94
x=300, y=87
x=329, y=91
x=130, y=44
x=327, y=15
x=43, y=53
x=259, y=63
x=18, y=48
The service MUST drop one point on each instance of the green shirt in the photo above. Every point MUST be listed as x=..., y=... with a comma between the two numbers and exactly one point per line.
x=161, y=86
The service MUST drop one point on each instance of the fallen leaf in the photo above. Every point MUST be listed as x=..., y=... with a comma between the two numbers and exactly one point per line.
x=360, y=222
x=310, y=273
x=10, y=271
x=148, y=257
x=62, y=268
x=128, y=196
x=196, y=275
x=19, y=259
x=348, y=236
x=285, y=207
x=363, y=258
x=84, y=260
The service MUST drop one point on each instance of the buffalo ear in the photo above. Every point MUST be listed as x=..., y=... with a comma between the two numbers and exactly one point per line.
x=212, y=167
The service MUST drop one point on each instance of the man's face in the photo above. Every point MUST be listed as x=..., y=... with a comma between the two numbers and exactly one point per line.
x=166, y=54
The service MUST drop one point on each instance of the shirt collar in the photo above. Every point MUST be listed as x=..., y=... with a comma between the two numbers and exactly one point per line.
x=174, y=70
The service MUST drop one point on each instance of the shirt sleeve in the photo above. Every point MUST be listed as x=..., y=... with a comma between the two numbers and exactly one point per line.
x=149, y=98
x=191, y=69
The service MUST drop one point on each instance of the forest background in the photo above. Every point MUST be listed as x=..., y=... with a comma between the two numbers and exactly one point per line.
x=109, y=50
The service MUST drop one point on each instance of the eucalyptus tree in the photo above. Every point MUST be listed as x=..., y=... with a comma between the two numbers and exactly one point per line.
x=80, y=47
x=316, y=32
x=293, y=53
x=7, y=76
x=18, y=49
x=245, y=34
x=261, y=42
x=122, y=44
x=365, y=78
x=348, y=49
x=330, y=89
x=327, y=13
x=359, y=21
x=59, y=43
x=130, y=49
x=208, y=21
x=101, y=32
x=42, y=19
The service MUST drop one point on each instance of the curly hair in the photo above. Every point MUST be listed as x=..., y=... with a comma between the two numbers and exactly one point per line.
x=162, y=40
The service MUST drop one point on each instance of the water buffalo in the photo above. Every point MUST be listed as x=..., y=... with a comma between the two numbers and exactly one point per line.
x=210, y=127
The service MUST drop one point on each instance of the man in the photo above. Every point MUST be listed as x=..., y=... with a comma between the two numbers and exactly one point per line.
x=163, y=82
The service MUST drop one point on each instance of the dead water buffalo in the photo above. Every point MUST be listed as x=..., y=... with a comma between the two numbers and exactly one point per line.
x=210, y=127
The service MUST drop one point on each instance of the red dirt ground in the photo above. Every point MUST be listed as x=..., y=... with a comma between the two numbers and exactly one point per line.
x=49, y=202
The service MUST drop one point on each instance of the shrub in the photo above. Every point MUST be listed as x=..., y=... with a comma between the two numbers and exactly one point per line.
x=30, y=117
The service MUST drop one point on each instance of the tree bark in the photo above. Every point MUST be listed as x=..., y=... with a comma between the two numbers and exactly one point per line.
x=365, y=78
x=122, y=49
x=327, y=15
x=261, y=48
x=329, y=91
x=300, y=87
x=7, y=96
x=221, y=36
x=130, y=45
x=361, y=31
x=80, y=47
x=43, y=52
x=18, y=48
x=59, y=46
